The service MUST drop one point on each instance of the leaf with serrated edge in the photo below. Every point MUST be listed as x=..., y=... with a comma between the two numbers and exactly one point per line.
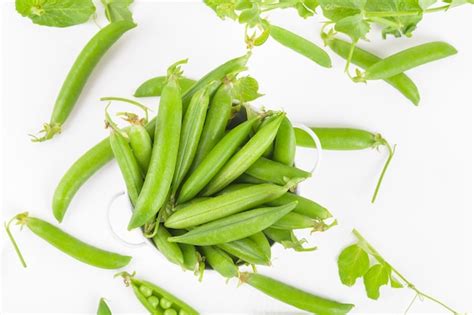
x=353, y=262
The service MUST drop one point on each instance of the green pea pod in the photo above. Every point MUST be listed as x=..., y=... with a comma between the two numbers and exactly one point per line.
x=408, y=59
x=296, y=221
x=220, y=261
x=262, y=242
x=300, y=45
x=95, y=158
x=128, y=164
x=275, y=172
x=339, y=138
x=164, y=155
x=141, y=144
x=305, y=206
x=216, y=122
x=145, y=302
x=193, y=123
x=103, y=308
x=288, y=239
x=234, y=227
x=154, y=86
x=211, y=209
x=68, y=244
x=245, y=157
x=190, y=254
x=365, y=59
x=247, y=179
x=293, y=296
x=246, y=250
x=215, y=160
x=285, y=144
x=269, y=150
x=170, y=250
x=80, y=71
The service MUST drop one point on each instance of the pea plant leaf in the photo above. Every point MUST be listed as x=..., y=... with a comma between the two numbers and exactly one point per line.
x=353, y=262
x=354, y=26
x=394, y=283
x=306, y=8
x=246, y=89
x=117, y=10
x=425, y=4
x=375, y=277
x=56, y=13
x=223, y=8
x=336, y=10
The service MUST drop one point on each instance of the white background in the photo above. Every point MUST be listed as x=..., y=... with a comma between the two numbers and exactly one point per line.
x=421, y=222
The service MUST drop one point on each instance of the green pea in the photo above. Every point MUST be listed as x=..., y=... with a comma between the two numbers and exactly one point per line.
x=220, y=261
x=170, y=311
x=275, y=172
x=246, y=250
x=182, y=312
x=141, y=144
x=164, y=303
x=339, y=138
x=295, y=221
x=146, y=291
x=170, y=250
x=285, y=144
x=262, y=242
x=305, y=206
x=154, y=301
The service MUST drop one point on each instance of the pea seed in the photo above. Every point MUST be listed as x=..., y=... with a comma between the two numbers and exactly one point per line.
x=154, y=301
x=146, y=291
x=164, y=303
x=170, y=311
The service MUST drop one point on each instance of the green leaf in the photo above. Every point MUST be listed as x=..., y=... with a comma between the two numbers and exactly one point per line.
x=250, y=16
x=376, y=277
x=339, y=9
x=246, y=89
x=395, y=283
x=223, y=8
x=117, y=10
x=425, y=4
x=57, y=13
x=306, y=8
x=354, y=26
x=353, y=262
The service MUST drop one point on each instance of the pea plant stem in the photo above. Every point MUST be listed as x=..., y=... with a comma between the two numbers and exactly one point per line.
x=391, y=153
x=404, y=13
x=279, y=5
x=362, y=242
x=12, y=239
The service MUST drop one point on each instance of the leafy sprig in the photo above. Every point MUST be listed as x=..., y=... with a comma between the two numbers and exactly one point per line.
x=362, y=260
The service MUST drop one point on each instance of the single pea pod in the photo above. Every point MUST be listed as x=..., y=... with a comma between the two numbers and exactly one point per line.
x=141, y=144
x=408, y=59
x=288, y=239
x=149, y=294
x=296, y=221
x=214, y=208
x=215, y=160
x=293, y=296
x=103, y=308
x=245, y=157
x=96, y=157
x=128, y=164
x=269, y=150
x=305, y=206
x=154, y=86
x=193, y=123
x=247, y=251
x=80, y=71
x=262, y=242
x=164, y=155
x=275, y=172
x=191, y=257
x=365, y=59
x=216, y=121
x=170, y=250
x=284, y=149
x=220, y=261
x=234, y=227
x=68, y=244
x=300, y=45
x=247, y=179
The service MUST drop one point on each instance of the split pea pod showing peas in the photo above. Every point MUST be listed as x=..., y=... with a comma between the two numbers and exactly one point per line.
x=215, y=160
x=245, y=157
x=220, y=261
x=165, y=152
x=96, y=157
x=154, y=86
x=216, y=121
x=246, y=250
x=365, y=59
x=275, y=172
x=155, y=299
x=408, y=59
x=285, y=144
x=226, y=204
x=77, y=77
x=293, y=296
x=234, y=227
x=68, y=244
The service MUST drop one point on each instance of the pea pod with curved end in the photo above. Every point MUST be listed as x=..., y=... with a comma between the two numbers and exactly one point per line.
x=167, y=302
x=296, y=221
x=245, y=157
x=288, y=239
x=408, y=59
x=80, y=71
x=154, y=86
x=96, y=157
x=365, y=59
x=215, y=160
x=275, y=172
x=294, y=296
x=214, y=208
x=191, y=257
x=246, y=250
x=262, y=242
x=216, y=121
x=284, y=149
x=68, y=244
x=269, y=150
x=170, y=250
x=141, y=144
x=164, y=155
x=220, y=261
x=234, y=227
x=305, y=206
x=103, y=308
x=128, y=164
x=300, y=45
x=193, y=123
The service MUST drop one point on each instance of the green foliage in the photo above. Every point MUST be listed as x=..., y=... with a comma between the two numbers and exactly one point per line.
x=57, y=13
x=117, y=10
x=353, y=262
x=374, y=278
x=246, y=89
